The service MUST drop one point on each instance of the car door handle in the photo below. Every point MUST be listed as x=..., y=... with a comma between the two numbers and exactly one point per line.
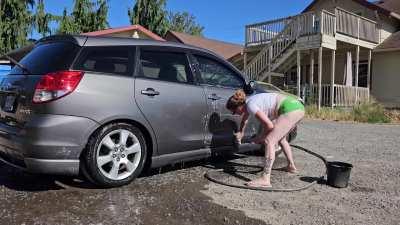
x=150, y=92
x=214, y=97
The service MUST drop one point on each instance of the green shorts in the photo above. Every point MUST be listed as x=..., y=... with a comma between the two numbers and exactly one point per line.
x=290, y=104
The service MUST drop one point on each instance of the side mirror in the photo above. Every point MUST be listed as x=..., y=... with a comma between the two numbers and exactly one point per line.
x=250, y=87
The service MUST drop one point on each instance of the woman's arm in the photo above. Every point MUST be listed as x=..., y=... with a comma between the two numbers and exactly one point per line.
x=265, y=121
x=239, y=135
x=267, y=125
x=244, y=121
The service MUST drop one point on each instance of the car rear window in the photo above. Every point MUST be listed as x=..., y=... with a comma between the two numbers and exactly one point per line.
x=49, y=57
x=114, y=60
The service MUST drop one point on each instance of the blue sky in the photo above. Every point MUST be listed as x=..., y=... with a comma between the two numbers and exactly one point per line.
x=222, y=19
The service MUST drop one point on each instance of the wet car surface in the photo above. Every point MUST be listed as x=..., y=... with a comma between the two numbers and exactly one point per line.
x=170, y=196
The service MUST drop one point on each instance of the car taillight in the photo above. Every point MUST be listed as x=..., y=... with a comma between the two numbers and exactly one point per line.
x=56, y=85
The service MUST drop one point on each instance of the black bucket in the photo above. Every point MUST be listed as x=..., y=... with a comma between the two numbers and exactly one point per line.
x=338, y=174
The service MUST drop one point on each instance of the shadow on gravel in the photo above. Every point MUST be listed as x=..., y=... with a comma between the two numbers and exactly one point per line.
x=312, y=179
x=16, y=179
x=19, y=180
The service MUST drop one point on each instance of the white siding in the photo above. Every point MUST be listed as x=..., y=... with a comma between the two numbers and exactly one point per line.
x=386, y=78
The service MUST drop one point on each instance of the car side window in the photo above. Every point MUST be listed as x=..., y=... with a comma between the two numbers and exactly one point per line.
x=215, y=73
x=105, y=60
x=165, y=66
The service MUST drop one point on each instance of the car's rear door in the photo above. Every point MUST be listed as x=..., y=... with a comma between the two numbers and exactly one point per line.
x=220, y=82
x=170, y=99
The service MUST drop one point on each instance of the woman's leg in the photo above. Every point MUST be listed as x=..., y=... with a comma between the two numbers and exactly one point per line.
x=294, y=118
x=289, y=155
x=283, y=125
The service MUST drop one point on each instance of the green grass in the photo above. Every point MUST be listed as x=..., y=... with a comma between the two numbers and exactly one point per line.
x=364, y=112
x=370, y=113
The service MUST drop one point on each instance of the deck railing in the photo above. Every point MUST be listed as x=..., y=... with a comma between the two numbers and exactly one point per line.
x=344, y=96
x=328, y=23
x=349, y=96
x=261, y=33
x=325, y=22
x=300, y=25
x=356, y=26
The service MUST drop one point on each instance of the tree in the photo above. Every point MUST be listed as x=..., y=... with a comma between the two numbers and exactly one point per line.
x=86, y=16
x=184, y=22
x=15, y=23
x=66, y=24
x=151, y=14
x=42, y=20
x=99, y=22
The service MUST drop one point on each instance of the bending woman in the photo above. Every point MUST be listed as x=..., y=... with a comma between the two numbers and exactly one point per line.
x=285, y=111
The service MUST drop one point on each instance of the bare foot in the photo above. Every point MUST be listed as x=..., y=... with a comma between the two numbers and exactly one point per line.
x=291, y=169
x=263, y=181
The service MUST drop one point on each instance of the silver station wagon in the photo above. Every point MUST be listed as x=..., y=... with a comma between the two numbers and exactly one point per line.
x=110, y=107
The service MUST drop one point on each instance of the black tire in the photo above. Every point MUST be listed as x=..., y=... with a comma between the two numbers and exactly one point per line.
x=89, y=160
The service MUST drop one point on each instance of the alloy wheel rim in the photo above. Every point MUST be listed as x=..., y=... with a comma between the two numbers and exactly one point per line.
x=118, y=154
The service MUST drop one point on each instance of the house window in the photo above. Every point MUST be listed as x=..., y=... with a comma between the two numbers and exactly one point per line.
x=362, y=74
x=291, y=77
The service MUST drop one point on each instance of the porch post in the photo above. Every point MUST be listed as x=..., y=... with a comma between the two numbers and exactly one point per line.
x=312, y=76
x=369, y=71
x=244, y=61
x=319, y=77
x=333, y=65
x=312, y=68
x=270, y=65
x=298, y=73
x=357, y=70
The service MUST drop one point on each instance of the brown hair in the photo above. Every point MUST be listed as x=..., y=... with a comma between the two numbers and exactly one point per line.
x=236, y=100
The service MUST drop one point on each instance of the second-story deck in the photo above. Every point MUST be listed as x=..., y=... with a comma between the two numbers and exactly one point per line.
x=343, y=25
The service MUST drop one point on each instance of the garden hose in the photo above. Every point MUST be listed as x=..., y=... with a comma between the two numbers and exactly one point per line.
x=210, y=175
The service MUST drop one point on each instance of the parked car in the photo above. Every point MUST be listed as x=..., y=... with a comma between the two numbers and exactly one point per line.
x=268, y=87
x=109, y=107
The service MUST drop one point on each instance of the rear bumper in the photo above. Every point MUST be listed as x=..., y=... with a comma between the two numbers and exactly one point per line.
x=46, y=166
x=49, y=144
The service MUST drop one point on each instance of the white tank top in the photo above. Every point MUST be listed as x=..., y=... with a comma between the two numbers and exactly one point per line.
x=265, y=102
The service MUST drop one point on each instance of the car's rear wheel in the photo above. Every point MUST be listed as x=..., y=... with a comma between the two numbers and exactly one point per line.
x=115, y=155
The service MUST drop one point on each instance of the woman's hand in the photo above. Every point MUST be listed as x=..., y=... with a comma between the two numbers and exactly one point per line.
x=239, y=137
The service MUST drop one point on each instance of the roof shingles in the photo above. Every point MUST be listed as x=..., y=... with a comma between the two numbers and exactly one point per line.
x=390, y=5
x=127, y=28
x=392, y=43
x=225, y=49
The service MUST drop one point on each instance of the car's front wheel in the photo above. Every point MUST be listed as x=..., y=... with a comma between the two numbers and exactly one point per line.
x=115, y=155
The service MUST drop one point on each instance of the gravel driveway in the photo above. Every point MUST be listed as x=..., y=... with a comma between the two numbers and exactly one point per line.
x=180, y=195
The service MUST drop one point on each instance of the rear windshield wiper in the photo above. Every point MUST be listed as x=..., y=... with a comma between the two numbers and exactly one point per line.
x=26, y=70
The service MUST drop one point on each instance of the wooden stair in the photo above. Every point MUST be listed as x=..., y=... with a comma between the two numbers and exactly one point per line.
x=277, y=54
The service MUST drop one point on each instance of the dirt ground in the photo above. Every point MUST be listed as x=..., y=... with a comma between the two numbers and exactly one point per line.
x=181, y=195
